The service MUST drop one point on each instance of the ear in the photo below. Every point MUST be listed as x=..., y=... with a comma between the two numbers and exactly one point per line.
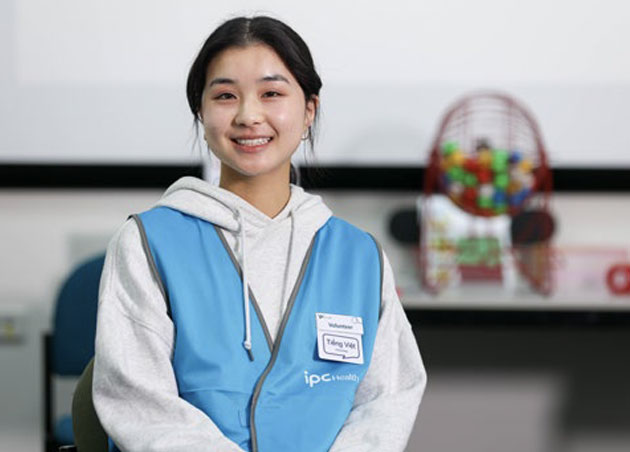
x=199, y=123
x=312, y=105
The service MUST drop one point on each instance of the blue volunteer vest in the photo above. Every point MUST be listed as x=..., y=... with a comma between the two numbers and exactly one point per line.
x=287, y=398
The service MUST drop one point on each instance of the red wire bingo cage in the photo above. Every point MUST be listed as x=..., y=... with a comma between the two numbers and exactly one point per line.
x=489, y=159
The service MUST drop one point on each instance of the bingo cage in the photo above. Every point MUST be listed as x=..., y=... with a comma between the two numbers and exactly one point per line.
x=489, y=160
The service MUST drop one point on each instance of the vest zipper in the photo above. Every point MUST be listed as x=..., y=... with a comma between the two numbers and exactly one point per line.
x=276, y=345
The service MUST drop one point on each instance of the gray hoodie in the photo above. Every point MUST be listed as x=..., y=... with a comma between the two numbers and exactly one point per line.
x=135, y=391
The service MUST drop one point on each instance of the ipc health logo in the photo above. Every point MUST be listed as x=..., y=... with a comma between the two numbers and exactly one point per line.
x=314, y=379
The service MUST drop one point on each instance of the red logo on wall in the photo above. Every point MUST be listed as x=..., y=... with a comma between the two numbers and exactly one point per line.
x=618, y=279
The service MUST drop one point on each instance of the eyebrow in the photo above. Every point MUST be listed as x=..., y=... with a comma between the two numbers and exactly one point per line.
x=274, y=78
x=229, y=81
x=221, y=81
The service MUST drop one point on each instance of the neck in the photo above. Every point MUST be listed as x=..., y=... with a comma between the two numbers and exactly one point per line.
x=268, y=193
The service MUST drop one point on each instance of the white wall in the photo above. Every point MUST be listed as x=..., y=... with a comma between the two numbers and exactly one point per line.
x=104, y=81
x=46, y=232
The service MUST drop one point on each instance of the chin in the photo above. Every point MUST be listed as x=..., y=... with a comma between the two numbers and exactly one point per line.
x=253, y=170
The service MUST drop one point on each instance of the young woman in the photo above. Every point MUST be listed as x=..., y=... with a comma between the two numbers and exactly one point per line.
x=244, y=316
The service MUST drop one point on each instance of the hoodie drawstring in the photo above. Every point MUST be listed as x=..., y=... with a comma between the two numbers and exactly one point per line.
x=283, y=300
x=247, y=343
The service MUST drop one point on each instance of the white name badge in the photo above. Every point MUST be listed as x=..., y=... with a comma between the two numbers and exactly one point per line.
x=339, y=338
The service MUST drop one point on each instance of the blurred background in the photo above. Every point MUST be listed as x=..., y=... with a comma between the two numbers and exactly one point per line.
x=94, y=125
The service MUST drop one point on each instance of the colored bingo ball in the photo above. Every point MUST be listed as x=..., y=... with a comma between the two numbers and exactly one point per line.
x=487, y=181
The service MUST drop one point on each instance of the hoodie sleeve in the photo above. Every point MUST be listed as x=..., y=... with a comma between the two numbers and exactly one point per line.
x=134, y=388
x=387, y=400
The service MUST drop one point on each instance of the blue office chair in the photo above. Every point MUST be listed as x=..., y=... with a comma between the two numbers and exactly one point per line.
x=69, y=347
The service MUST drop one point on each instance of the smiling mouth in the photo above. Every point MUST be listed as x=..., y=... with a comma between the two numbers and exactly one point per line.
x=252, y=142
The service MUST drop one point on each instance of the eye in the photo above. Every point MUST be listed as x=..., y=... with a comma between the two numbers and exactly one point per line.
x=272, y=94
x=224, y=96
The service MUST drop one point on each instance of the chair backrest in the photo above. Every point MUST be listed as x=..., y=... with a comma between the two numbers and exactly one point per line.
x=74, y=326
x=89, y=435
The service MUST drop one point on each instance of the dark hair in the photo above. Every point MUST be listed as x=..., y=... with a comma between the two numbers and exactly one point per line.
x=244, y=31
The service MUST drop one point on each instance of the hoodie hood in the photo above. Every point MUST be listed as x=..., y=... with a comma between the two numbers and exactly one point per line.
x=276, y=245
x=212, y=203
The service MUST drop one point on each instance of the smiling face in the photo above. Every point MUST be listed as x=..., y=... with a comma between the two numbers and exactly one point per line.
x=253, y=112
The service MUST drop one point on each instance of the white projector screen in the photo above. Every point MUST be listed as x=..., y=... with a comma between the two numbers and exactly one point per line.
x=87, y=81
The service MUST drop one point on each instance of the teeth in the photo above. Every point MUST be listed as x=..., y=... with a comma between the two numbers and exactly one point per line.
x=256, y=142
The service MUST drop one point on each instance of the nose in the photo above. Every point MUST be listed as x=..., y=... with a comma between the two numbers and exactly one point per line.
x=249, y=113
